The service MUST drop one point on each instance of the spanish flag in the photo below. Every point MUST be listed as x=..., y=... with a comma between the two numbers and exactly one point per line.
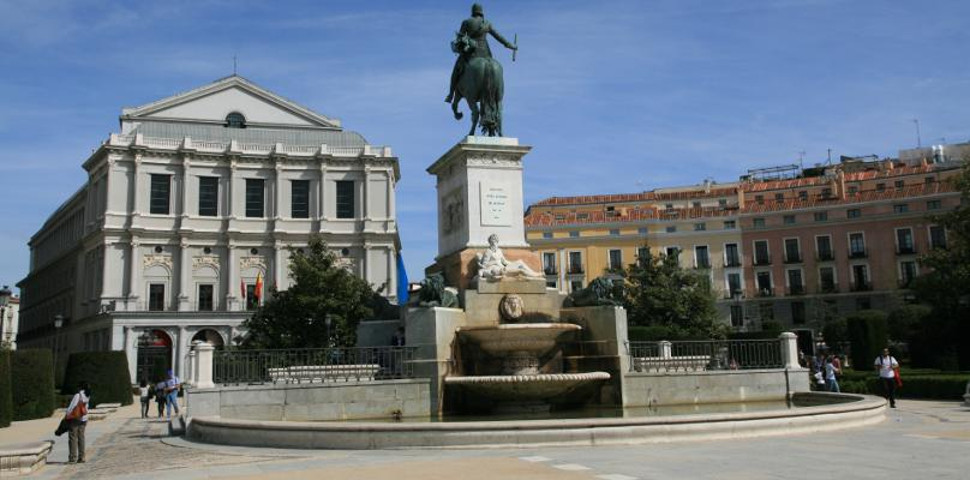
x=258, y=293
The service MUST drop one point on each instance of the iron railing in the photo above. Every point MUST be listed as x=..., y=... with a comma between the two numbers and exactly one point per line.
x=697, y=356
x=308, y=365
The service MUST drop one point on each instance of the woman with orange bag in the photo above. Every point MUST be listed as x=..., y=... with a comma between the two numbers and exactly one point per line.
x=77, y=418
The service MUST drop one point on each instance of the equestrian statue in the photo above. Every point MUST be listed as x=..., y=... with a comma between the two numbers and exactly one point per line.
x=477, y=77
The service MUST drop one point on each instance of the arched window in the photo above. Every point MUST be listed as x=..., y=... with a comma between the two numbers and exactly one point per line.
x=235, y=120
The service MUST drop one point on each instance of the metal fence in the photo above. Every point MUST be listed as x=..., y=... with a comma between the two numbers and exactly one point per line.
x=308, y=365
x=695, y=356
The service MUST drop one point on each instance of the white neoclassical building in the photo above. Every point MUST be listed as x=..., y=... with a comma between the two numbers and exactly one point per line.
x=197, y=196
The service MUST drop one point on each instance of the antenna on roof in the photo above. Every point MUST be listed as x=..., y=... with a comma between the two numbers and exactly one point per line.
x=829, y=161
x=801, y=159
x=233, y=64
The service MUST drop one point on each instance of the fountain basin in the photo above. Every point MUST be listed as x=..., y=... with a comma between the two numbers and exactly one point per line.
x=525, y=388
x=518, y=345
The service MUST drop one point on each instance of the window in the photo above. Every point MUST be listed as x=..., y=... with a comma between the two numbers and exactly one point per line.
x=934, y=205
x=880, y=187
x=764, y=283
x=208, y=196
x=789, y=219
x=904, y=241
x=899, y=185
x=795, y=285
x=252, y=301
x=857, y=245
x=300, y=198
x=900, y=208
x=734, y=283
x=730, y=225
x=575, y=262
x=761, y=256
x=798, y=313
x=853, y=190
x=826, y=192
x=759, y=199
x=254, y=198
x=731, y=256
x=780, y=197
x=907, y=273
x=546, y=234
x=156, y=297
x=759, y=223
x=737, y=316
x=574, y=234
x=767, y=311
x=616, y=259
x=803, y=195
x=860, y=278
x=697, y=204
x=672, y=251
x=643, y=252
x=792, y=252
x=929, y=180
x=826, y=277
x=575, y=285
x=671, y=229
x=701, y=257
x=722, y=202
x=642, y=231
x=853, y=213
x=345, y=199
x=669, y=206
x=821, y=216
x=700, y=227
x=614, y=232
x=823, y=248
x=937, y=237
x=205, y=298
x=549, y=263
x=161, y=190
x=235, y=120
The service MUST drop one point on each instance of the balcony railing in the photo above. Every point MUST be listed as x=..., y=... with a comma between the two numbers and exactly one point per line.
x=793, y=258
x=576, y=270
x=762, y=260
x=796, y=290
x=703, y=264
x=906, y=251
x=907, y=282
x=831, y=288
x=861, y=287
x=550, y=270
x=766, y=292
x=732, y=262
x=308, y=365
x=825, y=256
x=700, y=356
x=857, y=253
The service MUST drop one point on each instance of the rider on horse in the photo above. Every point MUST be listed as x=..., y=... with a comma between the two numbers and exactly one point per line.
x=475, y=29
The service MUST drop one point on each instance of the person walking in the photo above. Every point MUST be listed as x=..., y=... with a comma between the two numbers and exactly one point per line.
x=886, y=365
x=830, y=375
x=172, y=386
x=160, y=397
x=77, y=418
x=144, y=394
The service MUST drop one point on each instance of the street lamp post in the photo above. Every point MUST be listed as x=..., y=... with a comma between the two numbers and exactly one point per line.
x=58, y=323
x=738, y=309
x=328, y=321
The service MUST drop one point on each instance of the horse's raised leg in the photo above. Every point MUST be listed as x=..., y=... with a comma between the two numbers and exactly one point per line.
x=454, y=106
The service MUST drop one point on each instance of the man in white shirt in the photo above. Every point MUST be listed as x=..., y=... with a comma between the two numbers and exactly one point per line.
x=77, y=417
x=172, y=394
x=886, y=365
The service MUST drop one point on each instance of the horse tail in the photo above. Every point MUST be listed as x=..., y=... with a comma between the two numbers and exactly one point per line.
x=491, y=96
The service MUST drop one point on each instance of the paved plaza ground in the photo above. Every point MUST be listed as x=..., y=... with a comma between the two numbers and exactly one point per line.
x=922, y=439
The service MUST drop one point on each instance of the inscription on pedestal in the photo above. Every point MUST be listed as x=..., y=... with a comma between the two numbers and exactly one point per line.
x=495, y=206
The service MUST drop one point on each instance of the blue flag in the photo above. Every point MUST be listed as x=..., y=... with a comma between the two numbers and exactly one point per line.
x=402, y=280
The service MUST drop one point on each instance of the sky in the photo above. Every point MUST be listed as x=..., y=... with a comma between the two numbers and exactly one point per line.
x=613, y=96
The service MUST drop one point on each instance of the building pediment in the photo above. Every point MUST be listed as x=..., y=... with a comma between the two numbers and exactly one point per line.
x=212, y=103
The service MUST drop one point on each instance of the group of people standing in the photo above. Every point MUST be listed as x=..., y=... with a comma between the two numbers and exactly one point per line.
x=165, y=393
x=826, y=369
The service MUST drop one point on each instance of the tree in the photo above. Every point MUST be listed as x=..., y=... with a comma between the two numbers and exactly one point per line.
x=947, y=288
x=321, y=289
x=659, y=293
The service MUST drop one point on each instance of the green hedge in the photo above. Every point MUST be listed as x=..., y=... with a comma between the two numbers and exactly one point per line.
x=917, y=383
x=32, y=371
x=868, y=333
x=105, y=372
x=6, y=399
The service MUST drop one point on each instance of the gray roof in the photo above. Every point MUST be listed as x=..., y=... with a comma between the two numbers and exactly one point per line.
x=195, y=131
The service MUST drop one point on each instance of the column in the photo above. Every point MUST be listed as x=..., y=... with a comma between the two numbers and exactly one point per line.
x=190, y=367
x=365, y=263
x=134, y=274
x=322, y=191
x=204, y=357
x=131, y=346
x=277, y=264
x=789, y=350
x=183, y=204
x=665, y=349
x=231, y=279
x=231, y=190
x=391, y=291
x=181, y=353
x=391, y=201
x=277, y=191
x=185, y=276
x=139, y=199
x=365, y=208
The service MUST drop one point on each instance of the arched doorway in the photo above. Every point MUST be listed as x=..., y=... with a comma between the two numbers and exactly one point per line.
x=211, y=336
x=154, y=355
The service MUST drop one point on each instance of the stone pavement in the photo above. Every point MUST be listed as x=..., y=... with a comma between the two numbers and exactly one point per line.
x=924, y=438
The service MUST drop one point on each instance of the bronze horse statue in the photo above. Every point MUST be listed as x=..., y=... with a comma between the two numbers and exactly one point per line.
x=482, y=86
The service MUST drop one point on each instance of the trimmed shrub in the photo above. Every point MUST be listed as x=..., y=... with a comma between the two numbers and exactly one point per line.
x=868, y=335
x=6, y=398
x=32, y=371
x=105, y=372
x=917, y=383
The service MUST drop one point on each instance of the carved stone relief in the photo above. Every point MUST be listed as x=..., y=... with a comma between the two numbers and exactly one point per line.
x=252, y=262
x=453, y=211
x=157, y=259
x=205, y=261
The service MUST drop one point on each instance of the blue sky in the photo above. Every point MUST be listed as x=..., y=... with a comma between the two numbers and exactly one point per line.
x=614, y=96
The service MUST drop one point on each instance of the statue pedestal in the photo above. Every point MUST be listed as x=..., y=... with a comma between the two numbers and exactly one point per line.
x=479, y=194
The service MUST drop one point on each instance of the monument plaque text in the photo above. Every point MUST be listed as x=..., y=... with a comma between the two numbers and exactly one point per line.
x=495, y=206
